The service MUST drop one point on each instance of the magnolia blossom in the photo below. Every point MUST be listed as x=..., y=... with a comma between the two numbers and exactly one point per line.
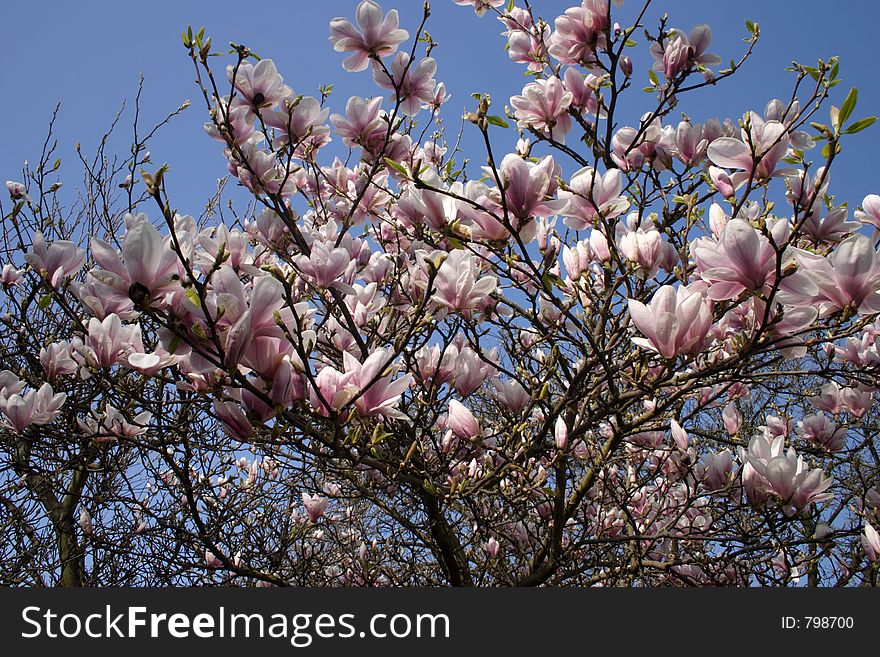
x=580, y=32
x=870, y=211
x=732, y=419
x=543, y=106
x=849, y=277
x=375, y=35
x=641, y=243
x=480, y=6
x=592, y=195
x=743, y=259
x=260, y=86
x=18, y=411
x=55, y=261
x=17, y=191
x=675, y=322
x=324, y=265
x=143, y=275
x=315, y=506
x=678, y=51
x=529, y=190
x=376, y=390
x=871, y=542
x=459, y=287
x=756, y=154
x=362, y=124
x=770, y=471
x=822, y=432
x=410, y=84
x=461, y=421
x=9, y=275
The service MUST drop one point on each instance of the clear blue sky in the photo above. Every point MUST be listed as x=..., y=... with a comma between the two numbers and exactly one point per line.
x=88, y=56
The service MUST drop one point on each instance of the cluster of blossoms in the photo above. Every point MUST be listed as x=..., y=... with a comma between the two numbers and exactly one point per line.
x=532, y=374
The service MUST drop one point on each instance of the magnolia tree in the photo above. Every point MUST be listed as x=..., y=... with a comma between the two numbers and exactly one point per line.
x=618, y=355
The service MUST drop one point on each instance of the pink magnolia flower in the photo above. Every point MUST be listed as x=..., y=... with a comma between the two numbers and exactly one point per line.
x=332, y=390
x=467, y=370
x=732, y=419
x=560, y=434
x=362, y=124
x=461, y=421
x=592, y=195
x=233, y=419
x=743, y=259
x=108, y=342
x=783, y=475
x=412, y=85
x=830, y=229
x=324, y=265
x=849, y=277
x=857, y=400
x=722, y=182
x=17, y=191
x=690, y=144
x=527, y=46
x=10, y=384
x=212, y=560
x=379, y=393
x=675, y=322
x=9, y=275
x=145, y=272
x=580, y=32
x=871, y=543
x=828, y=398
x=300, y=121
x=543, y=106
x=235, y=121
x=480, y=6
x=56, y=360
x=262, y=173
x=822, y=432
x=756, y=154
x=529, y=191
x=577, y=260
x=459, y=288
x=716, y=470
x=510, y=394
x=640, y=242
x=55, y=261
x=19, y=411
x=584, y=91
x=375, y=35
x=260, y=86
x=870, y=212
x=315, y=505
x=678, y=51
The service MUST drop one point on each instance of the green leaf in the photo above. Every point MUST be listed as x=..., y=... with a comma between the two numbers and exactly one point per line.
x=44, y=302
x=497, y=120
x=848, y=106
x=397, y=166
x=860, y=125
x=653, y=77
x=629, y=43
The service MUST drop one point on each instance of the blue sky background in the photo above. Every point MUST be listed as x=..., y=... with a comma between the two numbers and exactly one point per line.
x=88, y=55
